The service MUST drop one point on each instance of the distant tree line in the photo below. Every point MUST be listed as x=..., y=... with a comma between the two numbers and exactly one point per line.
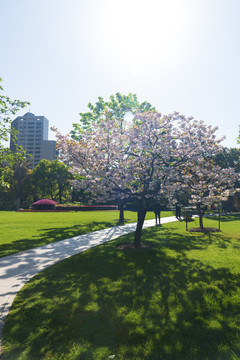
x=48, y=179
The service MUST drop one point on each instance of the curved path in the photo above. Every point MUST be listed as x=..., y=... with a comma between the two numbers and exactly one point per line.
x=17, y=269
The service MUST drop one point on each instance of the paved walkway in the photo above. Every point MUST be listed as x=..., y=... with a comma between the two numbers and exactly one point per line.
x=17, y=269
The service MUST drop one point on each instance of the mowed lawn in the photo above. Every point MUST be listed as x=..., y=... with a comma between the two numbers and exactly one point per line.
x=179, y=300
x=22, y=231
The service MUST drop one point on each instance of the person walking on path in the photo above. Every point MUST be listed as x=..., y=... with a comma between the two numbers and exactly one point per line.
x=157, y=212
x=178, y=211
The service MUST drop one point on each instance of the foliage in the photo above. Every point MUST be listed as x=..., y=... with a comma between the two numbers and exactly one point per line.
x=178, y=300
x=117, y=107
x=149, y=161
x=14, y=170
x=208, y=184
x=51, y=179
x=229, y=158
x=120, y=108
x=8, y=108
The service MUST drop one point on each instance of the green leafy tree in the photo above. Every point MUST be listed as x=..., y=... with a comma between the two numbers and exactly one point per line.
x=51, y=180
x=117, y=108
x=41, y=180
x=17, y=173
x=8, y=108
x=60, y=178
x=21, y=170
x=230, y=158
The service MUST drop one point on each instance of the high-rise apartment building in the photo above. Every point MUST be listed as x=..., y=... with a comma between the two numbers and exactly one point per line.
x=32, y=135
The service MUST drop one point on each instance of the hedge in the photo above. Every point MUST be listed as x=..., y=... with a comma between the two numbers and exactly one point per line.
x=86, y=207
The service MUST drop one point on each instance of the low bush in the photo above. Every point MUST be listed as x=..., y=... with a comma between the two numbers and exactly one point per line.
x=86, y=207
x=44, y=204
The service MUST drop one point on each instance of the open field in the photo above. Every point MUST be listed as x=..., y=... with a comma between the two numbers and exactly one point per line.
x=22, y=231
x=179, y=300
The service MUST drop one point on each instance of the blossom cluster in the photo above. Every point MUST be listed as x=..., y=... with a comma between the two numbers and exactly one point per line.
x=151, y=160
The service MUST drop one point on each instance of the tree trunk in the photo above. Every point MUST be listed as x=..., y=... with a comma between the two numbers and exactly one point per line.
x=19, y=192
x=142, y=210
x=201, y=219
x=60, y=195
x=121, y=212
x=200, y=213
x=73, y=195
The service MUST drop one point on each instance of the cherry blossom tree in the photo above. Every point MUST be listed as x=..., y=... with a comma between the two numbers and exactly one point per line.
x=147, y=162
x=120, y=108
x=208, y=184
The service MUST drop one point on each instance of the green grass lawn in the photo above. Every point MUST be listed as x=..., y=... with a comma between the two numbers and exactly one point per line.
x=22, y=231
x=179, y=300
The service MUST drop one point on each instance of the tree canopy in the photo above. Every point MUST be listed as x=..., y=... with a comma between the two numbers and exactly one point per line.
x=50, y=179
x=117, y=107
x=149, y=161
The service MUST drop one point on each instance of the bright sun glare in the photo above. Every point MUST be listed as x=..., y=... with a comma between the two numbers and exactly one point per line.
x=141, y=33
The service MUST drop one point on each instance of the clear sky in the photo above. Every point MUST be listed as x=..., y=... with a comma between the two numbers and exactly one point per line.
x=181, y=55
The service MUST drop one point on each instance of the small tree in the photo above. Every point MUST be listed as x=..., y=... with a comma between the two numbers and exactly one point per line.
x=208, y=184
x=51, y=179
x=21, y=171
x=16, y=173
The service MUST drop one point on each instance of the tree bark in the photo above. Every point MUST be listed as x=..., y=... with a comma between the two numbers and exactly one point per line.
x=142, y=210
x=73, y=195
x=121, y=212
x=200, y=213
x=19, y=193
x=60, y=194
x=201, y=219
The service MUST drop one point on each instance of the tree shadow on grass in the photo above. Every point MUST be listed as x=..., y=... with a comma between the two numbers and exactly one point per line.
x=171, y=239
x=50, y=235
x=147, y=305
x=223, y=218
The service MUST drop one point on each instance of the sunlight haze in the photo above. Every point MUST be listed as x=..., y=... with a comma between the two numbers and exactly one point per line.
x=178, y=55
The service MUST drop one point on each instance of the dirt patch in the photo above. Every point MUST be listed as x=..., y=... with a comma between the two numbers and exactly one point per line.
x=132, y=247
x=204, y=230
